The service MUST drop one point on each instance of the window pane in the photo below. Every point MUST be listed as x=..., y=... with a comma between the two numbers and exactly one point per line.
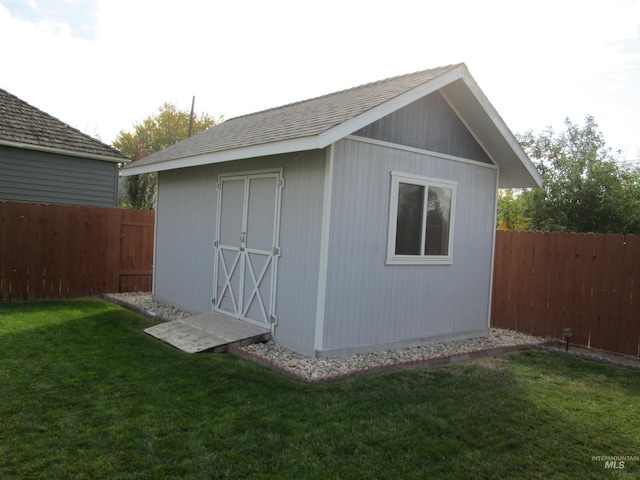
x=438, y=217
x=409, y=219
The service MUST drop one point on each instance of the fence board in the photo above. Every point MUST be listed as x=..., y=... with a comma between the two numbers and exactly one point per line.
x=62, y=251
x=630, y=293
x=608, y=327
x=589, y=282
x=540, y=290
x=595, y=289
x=556, y=252
x=136, y=253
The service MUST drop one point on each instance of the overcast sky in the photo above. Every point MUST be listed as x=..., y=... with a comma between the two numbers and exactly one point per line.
x=102, y=65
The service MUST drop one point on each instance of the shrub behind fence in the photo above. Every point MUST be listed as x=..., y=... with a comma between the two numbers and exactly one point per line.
x=546, y=282
x=61, y=251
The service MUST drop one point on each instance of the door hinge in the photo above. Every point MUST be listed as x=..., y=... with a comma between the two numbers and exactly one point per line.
x=281, y=182
x=218, y=185
x=213, y=300
x=276, y=251
x=273, y=319
x=215, y=243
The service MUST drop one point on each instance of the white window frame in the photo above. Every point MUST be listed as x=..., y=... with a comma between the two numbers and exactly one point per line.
x=426, y=182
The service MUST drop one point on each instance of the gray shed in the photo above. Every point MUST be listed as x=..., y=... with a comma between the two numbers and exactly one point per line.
x=44, y=160
x=357, y=221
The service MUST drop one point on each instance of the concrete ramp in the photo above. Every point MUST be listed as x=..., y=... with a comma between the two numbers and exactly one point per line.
x=208, y=332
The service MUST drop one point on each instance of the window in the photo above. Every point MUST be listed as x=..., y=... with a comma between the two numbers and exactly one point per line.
x=420, y=220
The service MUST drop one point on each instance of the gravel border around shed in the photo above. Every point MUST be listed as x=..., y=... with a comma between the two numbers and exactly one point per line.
x=312, y=370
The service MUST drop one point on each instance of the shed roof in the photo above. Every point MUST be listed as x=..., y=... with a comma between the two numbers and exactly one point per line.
x=25, y=126
x=321, y=121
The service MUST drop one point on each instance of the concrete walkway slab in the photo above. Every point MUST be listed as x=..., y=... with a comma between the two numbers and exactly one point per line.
x=208, y=332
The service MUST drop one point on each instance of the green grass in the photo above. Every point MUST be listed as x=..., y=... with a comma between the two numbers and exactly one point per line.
x=84, y=393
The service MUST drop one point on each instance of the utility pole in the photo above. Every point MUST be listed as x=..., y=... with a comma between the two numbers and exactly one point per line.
x=193, y=101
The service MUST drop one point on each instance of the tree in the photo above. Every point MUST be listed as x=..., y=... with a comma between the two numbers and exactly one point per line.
x=511, y=211
x=156, y=132
x=584, y=188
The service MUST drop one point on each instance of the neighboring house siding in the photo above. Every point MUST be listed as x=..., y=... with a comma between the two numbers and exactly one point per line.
x=429, y=124
x=369, y=302
x=39, y=177
x=185, y=231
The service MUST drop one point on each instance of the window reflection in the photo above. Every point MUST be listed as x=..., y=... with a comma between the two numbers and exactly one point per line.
x=438, y=217
x=409, y=219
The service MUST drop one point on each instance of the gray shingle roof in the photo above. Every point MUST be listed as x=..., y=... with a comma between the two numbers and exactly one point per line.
x=25, y=125
x=296, y=120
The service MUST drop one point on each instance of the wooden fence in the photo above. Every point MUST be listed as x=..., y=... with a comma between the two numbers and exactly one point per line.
x=60, y=251
x=546, y=282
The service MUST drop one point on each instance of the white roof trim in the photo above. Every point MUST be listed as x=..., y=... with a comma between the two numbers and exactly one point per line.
x=421, y=151
x=356, y=123
x=262, y=150
x=304, y=143
x=484, y=123
x=502, y=127
x=60, y=151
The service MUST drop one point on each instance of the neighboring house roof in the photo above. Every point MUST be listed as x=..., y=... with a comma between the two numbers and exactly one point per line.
x=25, y=126
x=321, y=121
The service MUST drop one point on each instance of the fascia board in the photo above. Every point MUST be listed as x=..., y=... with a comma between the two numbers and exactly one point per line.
x=356, y=123
x=273, y=148
x=506, y=152
x=61, y=151
x=503, y=129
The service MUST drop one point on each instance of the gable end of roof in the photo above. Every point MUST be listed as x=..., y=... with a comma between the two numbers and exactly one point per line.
x=322, y=121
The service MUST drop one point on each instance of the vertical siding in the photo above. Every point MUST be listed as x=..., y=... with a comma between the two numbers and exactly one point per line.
x=369, y=302
x=185, y=226
x=429, y=124
x=39, y=177
x=186, y=222
x=300, y=231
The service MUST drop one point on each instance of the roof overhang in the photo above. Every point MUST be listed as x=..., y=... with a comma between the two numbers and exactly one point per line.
x=261, y=150
x=485, y=124
x=61, y=151
x=459, y=90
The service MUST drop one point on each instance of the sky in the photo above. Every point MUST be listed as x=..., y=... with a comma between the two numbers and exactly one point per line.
x=103, y=65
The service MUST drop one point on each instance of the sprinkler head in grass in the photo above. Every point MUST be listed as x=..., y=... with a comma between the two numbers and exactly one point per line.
x=568, y=332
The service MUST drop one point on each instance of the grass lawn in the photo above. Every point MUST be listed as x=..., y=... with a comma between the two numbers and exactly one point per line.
x=84, y=393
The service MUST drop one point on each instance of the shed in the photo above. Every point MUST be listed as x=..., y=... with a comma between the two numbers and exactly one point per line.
x=44, y=160
x=357, y=221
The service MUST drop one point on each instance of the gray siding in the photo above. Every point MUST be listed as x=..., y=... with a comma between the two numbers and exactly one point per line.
x=39, y=177
x=300, y=232
x=369, y=302
x=185, y=230
x=429, y=124
x=185, y=226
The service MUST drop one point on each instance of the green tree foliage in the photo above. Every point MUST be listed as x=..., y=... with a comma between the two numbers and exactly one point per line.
x=511, y=211
x=156, y=132
x=584, y=188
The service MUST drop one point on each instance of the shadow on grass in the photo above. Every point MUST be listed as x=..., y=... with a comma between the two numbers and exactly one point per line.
x=87, y=394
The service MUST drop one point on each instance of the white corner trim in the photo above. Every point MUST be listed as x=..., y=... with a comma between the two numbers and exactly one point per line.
x=493, y=250
x=324, y=249
x=155, y=250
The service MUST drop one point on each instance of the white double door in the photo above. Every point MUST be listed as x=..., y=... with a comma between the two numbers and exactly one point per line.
x=247, y=250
